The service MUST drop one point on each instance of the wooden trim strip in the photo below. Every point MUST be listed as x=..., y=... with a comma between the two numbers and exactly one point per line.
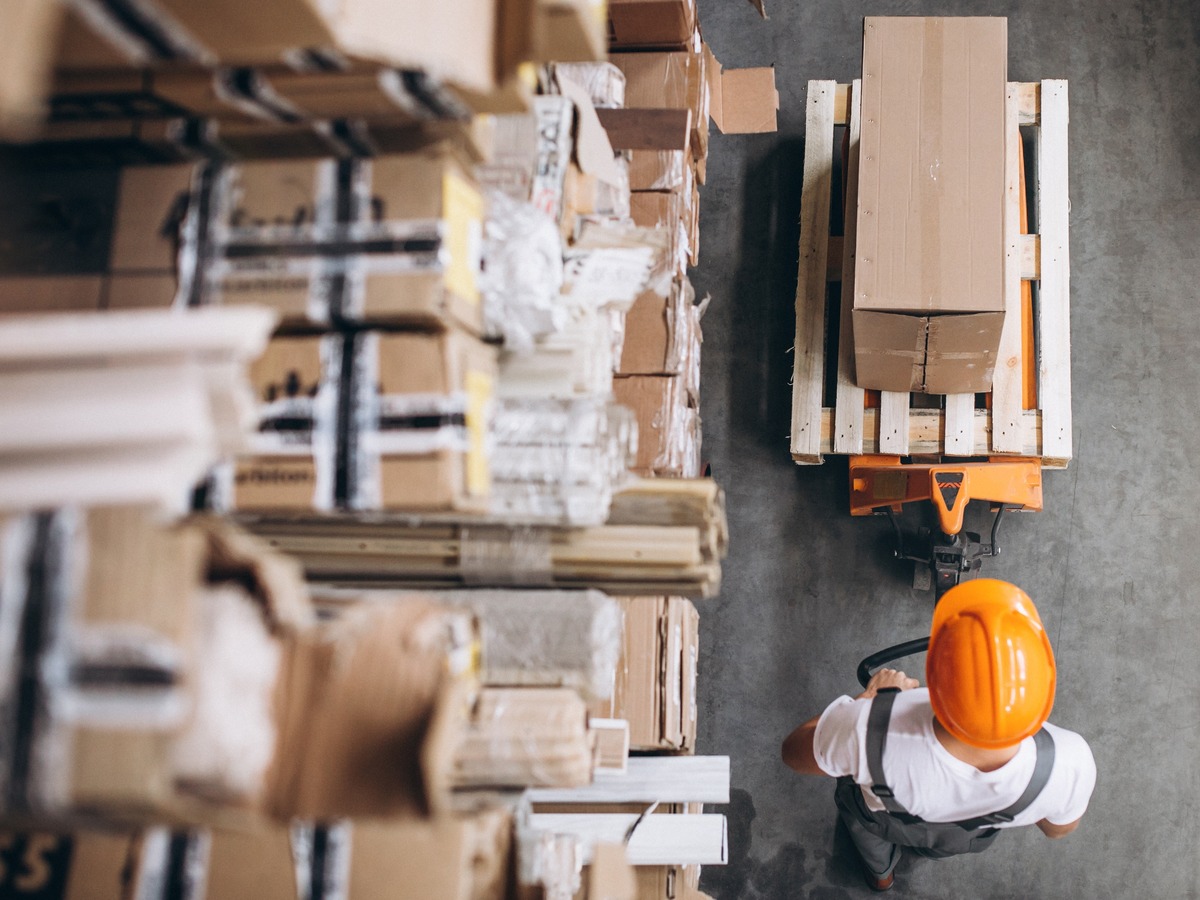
x=809, y=363
x=848, y=437
x=1054, y=299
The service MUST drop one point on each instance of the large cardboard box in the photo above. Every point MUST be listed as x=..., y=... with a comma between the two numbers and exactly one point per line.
x=292, y=463
x=370, y=707
x=395, y=239
x=460, y=858
x=678, y=80
x=81, y=866
x=662, y=334
x=668, y=424
x=655, y=684
x=464, y=43
x=419, y=427
x=126, y=606
x=651, y=23
x=929, y=272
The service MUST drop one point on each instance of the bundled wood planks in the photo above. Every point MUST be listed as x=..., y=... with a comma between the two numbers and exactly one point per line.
x=663, y=537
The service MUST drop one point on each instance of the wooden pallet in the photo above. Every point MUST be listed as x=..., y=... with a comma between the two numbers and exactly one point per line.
x=958, y=428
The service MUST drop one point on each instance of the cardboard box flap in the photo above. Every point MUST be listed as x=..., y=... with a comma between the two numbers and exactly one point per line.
x=273, y=579
x=746, y=101
x=889, y=350
x=647, y=129
x=760, y=6
x=593, y=149
x=742, y=101
x=960, y=355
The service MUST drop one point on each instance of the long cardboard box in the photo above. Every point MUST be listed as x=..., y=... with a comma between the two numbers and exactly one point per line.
x=655, y=684
x=637, y=24
x=668, y=424
x=929, y=273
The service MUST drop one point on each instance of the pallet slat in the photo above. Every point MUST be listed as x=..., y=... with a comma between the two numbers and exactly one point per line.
x=1006, y=379
x=848, y=436
x=893, y=422
x=1054, y=298
x=927, y=426
x=960, y=425
x=809, y=363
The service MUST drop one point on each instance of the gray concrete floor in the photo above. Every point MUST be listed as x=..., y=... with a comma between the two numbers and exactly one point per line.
x=1110, y=562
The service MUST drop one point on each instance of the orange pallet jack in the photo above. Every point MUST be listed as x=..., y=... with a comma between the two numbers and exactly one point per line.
x=881, y=485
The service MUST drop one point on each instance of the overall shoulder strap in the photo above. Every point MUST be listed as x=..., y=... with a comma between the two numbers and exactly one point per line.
x=1041, y=774
x=877, y=733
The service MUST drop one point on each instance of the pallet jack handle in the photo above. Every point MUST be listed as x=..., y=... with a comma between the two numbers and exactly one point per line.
x=867, y=667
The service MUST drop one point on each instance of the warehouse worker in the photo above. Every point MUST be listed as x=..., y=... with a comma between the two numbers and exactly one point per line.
x=942, y=769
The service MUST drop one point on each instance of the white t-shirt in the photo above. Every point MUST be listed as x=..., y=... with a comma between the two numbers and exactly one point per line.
x=938, y=787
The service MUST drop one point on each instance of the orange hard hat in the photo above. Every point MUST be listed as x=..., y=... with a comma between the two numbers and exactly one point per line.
x=990, y=667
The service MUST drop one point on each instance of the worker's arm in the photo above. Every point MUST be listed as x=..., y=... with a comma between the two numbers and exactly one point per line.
x=798, y=752
x=1050, y=830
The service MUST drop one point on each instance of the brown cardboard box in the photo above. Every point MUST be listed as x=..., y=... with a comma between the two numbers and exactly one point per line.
x=409, y=227
x=271, y=94
x=254, y=863
x=29, y=26
x=655, y=679
x=651, y=23
x=421, y=421
x=929, y=278
x=678, y=81
x=86, y=865
x=460, y=858
x=370, y=707
x=668, y=425
x=662, y=334
x=463, y=43
x=292, y=463
x=660, y=170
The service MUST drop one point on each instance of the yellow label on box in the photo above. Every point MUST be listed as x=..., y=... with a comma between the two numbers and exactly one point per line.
x=479, y=398
x=463, y=209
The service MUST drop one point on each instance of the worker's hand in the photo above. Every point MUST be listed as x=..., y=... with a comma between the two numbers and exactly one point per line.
x=886, y=678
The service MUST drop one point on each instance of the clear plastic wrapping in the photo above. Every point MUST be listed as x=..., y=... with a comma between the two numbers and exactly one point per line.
x=224, y=751
x=546, y=638
x=603, y=82
x=560, y=460
x=522, y=273
x=525, y=737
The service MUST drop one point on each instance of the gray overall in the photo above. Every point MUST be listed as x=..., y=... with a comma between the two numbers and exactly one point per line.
x=879, y=835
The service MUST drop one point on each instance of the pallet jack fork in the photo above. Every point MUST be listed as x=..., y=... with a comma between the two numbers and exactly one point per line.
x=881, y=485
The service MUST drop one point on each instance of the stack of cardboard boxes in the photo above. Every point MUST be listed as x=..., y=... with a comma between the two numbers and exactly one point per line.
x=341, y=168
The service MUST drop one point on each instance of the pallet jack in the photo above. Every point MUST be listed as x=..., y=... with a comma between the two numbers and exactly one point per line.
x=881, y=485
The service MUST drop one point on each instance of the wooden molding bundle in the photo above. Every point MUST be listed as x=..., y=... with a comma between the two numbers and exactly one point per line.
x=679, y=557
x=122, y=407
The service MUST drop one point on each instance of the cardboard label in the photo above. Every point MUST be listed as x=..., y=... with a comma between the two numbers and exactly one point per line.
x=480, y=387
x=464, y=211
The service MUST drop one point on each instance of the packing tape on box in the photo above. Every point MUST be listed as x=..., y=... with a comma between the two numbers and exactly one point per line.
x=170, y=865
x=321, y=856
x=329, y=245
x=495, y=555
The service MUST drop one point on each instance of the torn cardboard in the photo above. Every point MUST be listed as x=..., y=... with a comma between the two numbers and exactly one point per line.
x=932, y=135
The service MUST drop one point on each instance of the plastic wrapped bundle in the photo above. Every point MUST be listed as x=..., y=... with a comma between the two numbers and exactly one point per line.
x=578, y=360
x=560, y=460
x=523, y=273
x=546, y=638
x=603, y=82
x=525, y=737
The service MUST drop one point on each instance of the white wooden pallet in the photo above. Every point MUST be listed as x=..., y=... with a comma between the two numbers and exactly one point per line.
x=958, y=429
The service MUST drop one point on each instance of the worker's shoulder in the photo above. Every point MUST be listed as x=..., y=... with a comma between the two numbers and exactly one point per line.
x=1071, y=746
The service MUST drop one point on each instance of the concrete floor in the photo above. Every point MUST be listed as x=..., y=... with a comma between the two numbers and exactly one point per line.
x=809, y=591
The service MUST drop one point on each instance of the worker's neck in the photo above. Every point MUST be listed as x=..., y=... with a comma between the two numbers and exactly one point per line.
x=981, y=759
